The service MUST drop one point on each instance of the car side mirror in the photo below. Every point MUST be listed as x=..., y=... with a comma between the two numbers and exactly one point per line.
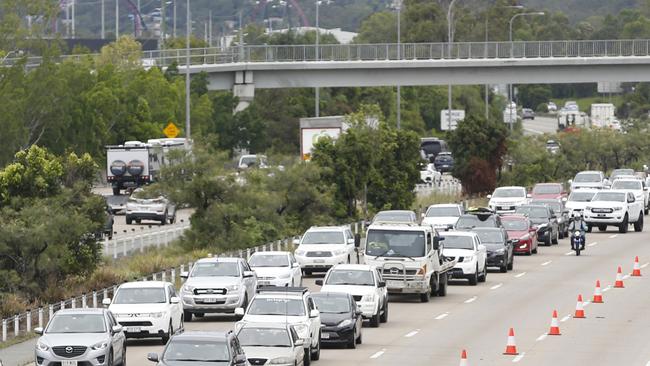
x=116, y=328
x=351, y=241
x=357, y=240
x=436, y=242
x=314, y=313
x=106, y=301
x=319, y=282
x=240, y=360
x=38, y=330
x=528, y=195
x=185, y=274
x=239, y=311
x=381, y=284
x=298, y=343
x=489, y=196
x=174, y=300
x=249, y=274
x=153, y=357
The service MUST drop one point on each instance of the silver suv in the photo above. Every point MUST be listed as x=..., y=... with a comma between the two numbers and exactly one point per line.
x=155, y=209
x=81, y=337
x=217, y=285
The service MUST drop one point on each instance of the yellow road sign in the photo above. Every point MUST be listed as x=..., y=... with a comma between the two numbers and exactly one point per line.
x=171, y=130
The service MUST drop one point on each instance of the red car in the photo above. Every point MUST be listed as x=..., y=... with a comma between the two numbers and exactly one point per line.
x=521, y=232
x=548, y=191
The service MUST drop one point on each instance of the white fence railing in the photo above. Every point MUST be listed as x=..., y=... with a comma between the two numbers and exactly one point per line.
x=133, y=241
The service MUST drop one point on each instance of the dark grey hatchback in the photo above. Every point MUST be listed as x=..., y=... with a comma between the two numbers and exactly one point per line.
x=201, y=349
x=500, y=252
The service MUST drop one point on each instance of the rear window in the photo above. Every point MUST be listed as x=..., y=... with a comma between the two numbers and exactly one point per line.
x=547, y=189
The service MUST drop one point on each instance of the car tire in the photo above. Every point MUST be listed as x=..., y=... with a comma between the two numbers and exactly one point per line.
x=166, y=336
x=374, y=321
x=503, y=268
x=128, y=221
x=181, y=326
x=315, y=355
x=384, y=314
x=352, y=342
x=442, y=285
x=172, y=219
x=547, y=241
x=638, y=225
x=307, y=358
x=602, y=228
x=349, y=259
x=555, y=240
x=511, y=265
x=622, y=228
x=163, y=221
x=483, y=276
x=560, y=234
x=646, y=210
x=187, y=316
x=425, y=297
x=473, y=280
x=589, y=228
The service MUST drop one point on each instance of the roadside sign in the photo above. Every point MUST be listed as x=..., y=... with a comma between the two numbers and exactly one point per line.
x=171, y=130
x=456, y=116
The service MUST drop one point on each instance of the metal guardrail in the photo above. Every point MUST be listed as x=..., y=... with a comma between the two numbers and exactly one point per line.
x=24, y=323
x=383, y=52
x=134, y=241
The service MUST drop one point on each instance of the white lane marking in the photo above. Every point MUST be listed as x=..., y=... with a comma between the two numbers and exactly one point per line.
x=565, y=318
x=520, y=275
x=607, y=288
x=442, y=316
x=568, y=253
x=645, y=265
x=542, y=337
x=411, y=334
x=471, y=300
x=547, y=263
x=586, y=303
x=647, y=364
x=496, y=286
x=613, y=236
x=518, y=358
x=626, y=276
x=378, y=354
x=593, y=244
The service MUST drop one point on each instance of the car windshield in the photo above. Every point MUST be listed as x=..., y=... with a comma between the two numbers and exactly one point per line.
x=269, y=260
x=509, y=192
x=279, y=306
x=587, y=178
x=196, y=350
x=515, y=225
x=532, y=211
x=332, y=304
x=581, y=196
x=547, y=189
x=472, y=221
x=431, y=147
x=443, y=212
x=264, y=337
x=323, y=237
x=458, y=242
x=554, y=205
x=394, y=217
x=77, y=323
x=352, y=278
x=395, y=243
x=627, y=184
x=490, y=236
x=140, y=296
x=617, y=172
x=215, y=269
x=609, y=197
x=248, y=160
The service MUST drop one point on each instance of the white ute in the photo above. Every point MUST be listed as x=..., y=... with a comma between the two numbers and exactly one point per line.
x=614, y=208
x=276, y=269
x=470, y=254
x=636, y=186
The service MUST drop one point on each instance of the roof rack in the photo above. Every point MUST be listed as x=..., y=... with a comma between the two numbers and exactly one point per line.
x=282, y=290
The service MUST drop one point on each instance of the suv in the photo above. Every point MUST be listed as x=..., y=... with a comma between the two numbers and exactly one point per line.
x=480, y=217
x=395, y=216
x=323, y=247
x=156, y=209
x=589, y=179
x=545, y=222
x=617, y=208
x=637, y=187
x=548, y=191
x=290, y=305
x=527, y=113
x=470, y=255
x=506, y=199
x=365, y=284
x=216, y=348
x=563, y=218
x=217, y=285
x=444, y=162
x=443, y=216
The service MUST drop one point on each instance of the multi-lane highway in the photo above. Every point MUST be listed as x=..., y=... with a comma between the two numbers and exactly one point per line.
x=540, y=125
x=478, y=318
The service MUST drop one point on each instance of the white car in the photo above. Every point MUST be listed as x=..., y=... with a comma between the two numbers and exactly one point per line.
x=636, y=186
x=506, y=199
x=288, y=305
x=578, y=200
x=589, y=179
x=443, y=217
x=250, y=161
x=430, y=175
x=147, y=309
x=365, y=284
x=323, y=247
x=276, y=269
x=470, y=254
x=614, y=208
x=275, y=344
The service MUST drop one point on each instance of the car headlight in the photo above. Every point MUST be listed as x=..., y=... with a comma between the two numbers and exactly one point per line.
x=282, y=361
x=500, y=251
x=522, y=246
x=345, y=323
x=100, y=346
x=368, y=298
x=156, y=315
x=302, y=330
x=618, y=208
x=42, y=346
x=300, y=252
x=232, y=287
x=339, y=251
x=285, y=275
x=188, y=289
x=542, y=226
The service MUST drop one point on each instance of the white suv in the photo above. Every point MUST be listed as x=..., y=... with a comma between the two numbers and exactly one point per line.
x=276, y=269
x=506, y=199
x=147, y=309
x=323, y=247
x=366, y=286
x=470, y=254
x=614, y=208
x=636, y=186
x=443, y=217
x=290, y=305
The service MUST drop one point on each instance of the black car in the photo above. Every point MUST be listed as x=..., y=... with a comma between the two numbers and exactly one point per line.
x=201, y=348
x=481, y=217
x=500, y=252
x=563, y=218
x=444, y=162
x=544, y=220
x=340, y=319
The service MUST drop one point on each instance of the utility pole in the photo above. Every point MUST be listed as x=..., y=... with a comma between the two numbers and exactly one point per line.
x=399, y=57
x=317, y=89
x=450, y=37
x=487, y=89
x=103, y=20
x=67, y=20
x=210, y=30
x=188, y=30
x=117, y=19
x=174, y=21
x=73, y=19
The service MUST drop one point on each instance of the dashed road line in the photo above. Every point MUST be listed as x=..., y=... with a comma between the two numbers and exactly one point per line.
x=613, y=236
x=518, y=358
x=378, y=354
x=442, y=316
x=626, y=276
x=645, y=265
x=568, y=253
x=547, y=263
x=607, y=288
x=593, y=244
x=565, y=318
x=586, y=303
x=471, y=300
x=496, y=286
x=411, y=334
x=520, y=275
x=542, y=337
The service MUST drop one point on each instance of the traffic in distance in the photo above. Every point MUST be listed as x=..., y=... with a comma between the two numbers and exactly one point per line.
x=279, y=321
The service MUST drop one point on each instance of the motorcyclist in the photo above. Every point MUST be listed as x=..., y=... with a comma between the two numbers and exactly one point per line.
x=578, y=224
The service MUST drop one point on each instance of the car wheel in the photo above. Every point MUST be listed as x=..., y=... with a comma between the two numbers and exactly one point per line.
x=128, y=221
x=315, y=355
x=646, y=211
x=384, y=314
x=602, y=228
x=349, y=259
x=181, y=326
x=534, y=251
x=116, y=191
x=172, y=219
x=163, y=221
x=555, y=240
x=503, y=268
x=511, y=265
x=622, y=228
x=547, y=241
x=187, y=316
x=638, y=225
x=560, y=234
x=589, y=227
x=374, y=321
x=442, y=285
x=170, y=331
x=473, y=280
x=307, y=358
x=306, y=272
x=138, y=221
x=483, y=276
x=352, y=342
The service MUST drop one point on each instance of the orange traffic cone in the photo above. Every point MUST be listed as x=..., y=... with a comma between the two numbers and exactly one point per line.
x=580, y=311
x=636, y=272
x=555, y=327
x=511, y=346
x=598, y=295
x=619, y=279
x=463, y=359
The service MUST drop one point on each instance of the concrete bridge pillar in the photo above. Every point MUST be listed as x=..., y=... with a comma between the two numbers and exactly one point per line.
x=244, y=89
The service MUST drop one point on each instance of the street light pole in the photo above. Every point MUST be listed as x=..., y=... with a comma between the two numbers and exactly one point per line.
x=117, y=19
x=317, y=89
x=399, y=57
x=188, y=30
x=103, y=21
x=449, y=41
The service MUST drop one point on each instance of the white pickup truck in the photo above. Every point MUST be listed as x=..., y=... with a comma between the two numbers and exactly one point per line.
x=636, y=186
x=409, y=257
x=614, y=208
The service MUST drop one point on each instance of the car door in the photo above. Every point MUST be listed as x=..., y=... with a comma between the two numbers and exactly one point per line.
x=382, y=292
x=296, y=273
x=314, y=323
x=635, y=206
x=117, y=339
x=481, y=253
x=349, y=241
x=176, y=310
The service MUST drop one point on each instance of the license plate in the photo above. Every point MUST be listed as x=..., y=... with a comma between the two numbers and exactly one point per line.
x=210, y=300
x=325, y=335
x=263, y=283
x=68, y=363
x=394, y=284
x=133, y=329
x=319, y=260
x=601, y=215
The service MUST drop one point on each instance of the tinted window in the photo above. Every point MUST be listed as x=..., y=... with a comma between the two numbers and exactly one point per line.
x=269, y=306
x=472, y=221
x=458, y=242
x=515, y=225
x=627, y=184
x=532, y=211
x=269, y=260
x=490, y=236
x=509, y=192
x=323, y=237
x=587, y=178
x=394, y=217
x=437, y=211
x=140, y=296
x=215, y=269
x=77, y=323
x=432, y=147
x=581, y=196
x=197, y=350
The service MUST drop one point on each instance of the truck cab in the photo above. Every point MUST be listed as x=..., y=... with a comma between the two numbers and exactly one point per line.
x=409, y=257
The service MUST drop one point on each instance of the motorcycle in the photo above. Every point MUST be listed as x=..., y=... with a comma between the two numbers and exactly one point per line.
x=577, y=242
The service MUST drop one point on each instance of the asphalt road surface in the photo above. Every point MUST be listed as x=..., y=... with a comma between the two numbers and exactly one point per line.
x=540, y=125
x=477, y=318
